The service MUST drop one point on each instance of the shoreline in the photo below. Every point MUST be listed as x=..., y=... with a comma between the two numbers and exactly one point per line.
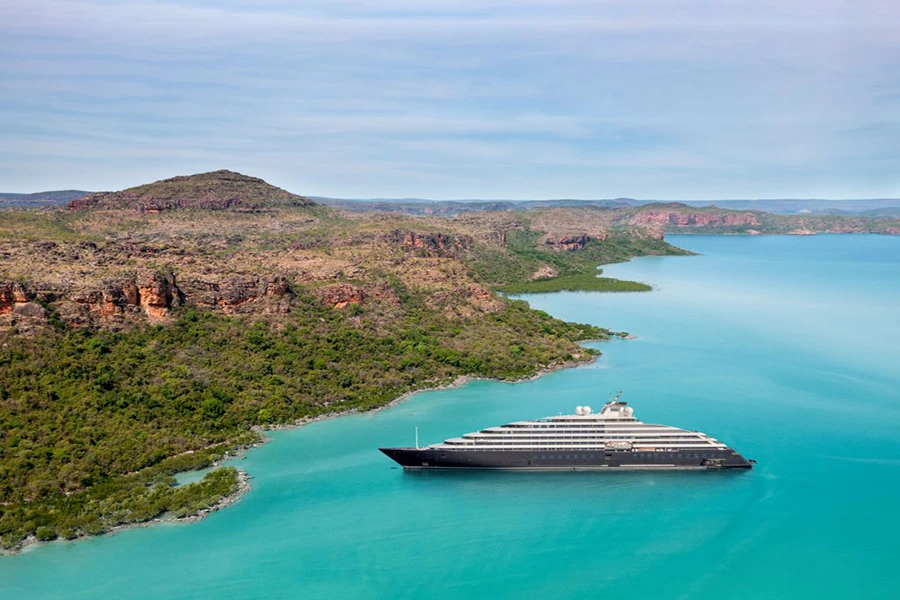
x=31, y=543
x=460, y=381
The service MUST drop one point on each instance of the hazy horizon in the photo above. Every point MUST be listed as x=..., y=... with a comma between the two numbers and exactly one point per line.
x=698, y=100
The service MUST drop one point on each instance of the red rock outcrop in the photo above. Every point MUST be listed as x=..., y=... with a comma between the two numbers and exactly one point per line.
x=544, y=272
x=688, y=219
x=232, y=294
x=18, y=308
x=10, y=295
x=429, y=244
x=153, y=293
x=464, y=302
x=569, y=243
x=340, y=295
x=157, y=293
x=131, y=294
x=483, y=298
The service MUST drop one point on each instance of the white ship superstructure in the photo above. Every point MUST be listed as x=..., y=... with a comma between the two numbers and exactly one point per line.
x=614, y=427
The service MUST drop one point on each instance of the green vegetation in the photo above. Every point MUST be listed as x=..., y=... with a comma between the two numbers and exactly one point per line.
x=90, y=419
x=37, y=225
x=582, y=282
x=124, y=500
x=331, y=312
x=509, y=268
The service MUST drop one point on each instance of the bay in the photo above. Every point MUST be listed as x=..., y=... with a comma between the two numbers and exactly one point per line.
x=786, y=348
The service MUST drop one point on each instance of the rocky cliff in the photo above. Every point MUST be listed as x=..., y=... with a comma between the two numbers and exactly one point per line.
x=681, y=219
x=148, y=295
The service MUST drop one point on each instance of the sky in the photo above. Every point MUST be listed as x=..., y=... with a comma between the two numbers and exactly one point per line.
x=515, y=99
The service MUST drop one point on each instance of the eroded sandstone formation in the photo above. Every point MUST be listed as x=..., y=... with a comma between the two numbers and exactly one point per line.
x=152, y=294
x=340, y=295
x=238, y=294
x=688, y=219
x=544, y=272
x=429, y=244
x=568, y=243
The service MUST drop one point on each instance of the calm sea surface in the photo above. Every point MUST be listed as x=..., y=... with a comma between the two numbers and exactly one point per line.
x=787, y=348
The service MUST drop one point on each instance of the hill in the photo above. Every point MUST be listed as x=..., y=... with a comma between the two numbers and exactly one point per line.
x=217, y=190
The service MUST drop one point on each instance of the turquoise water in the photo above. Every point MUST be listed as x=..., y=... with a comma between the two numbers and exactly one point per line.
x=786, y=348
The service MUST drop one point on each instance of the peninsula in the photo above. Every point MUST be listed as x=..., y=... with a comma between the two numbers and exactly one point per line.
x=151, y=331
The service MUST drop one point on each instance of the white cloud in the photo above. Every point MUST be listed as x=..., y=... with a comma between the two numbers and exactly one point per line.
x=517, y=96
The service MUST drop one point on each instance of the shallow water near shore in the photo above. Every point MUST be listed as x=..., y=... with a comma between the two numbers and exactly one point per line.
x=786, y=348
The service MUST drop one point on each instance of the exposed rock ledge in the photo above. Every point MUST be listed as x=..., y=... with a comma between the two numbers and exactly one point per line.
x=151, y=294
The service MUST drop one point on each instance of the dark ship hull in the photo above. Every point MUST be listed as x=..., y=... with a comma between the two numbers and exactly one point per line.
x=567, y=460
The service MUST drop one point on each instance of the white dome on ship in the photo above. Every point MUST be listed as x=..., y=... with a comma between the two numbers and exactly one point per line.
x=579, y=410
x=587, y=410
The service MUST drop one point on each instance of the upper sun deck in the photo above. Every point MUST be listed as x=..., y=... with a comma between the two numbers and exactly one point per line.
x=614, y=410
x=613, y=426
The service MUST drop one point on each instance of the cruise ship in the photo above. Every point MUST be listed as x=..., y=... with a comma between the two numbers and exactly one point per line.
x=610, y=439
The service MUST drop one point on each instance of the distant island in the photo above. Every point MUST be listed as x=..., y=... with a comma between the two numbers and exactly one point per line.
x=157, y=329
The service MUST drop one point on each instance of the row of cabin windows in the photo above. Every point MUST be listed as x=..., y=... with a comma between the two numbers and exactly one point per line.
x=495, y=442
x=637, y=455
x=625, y=438
x=559, y=424
x=590, y=435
